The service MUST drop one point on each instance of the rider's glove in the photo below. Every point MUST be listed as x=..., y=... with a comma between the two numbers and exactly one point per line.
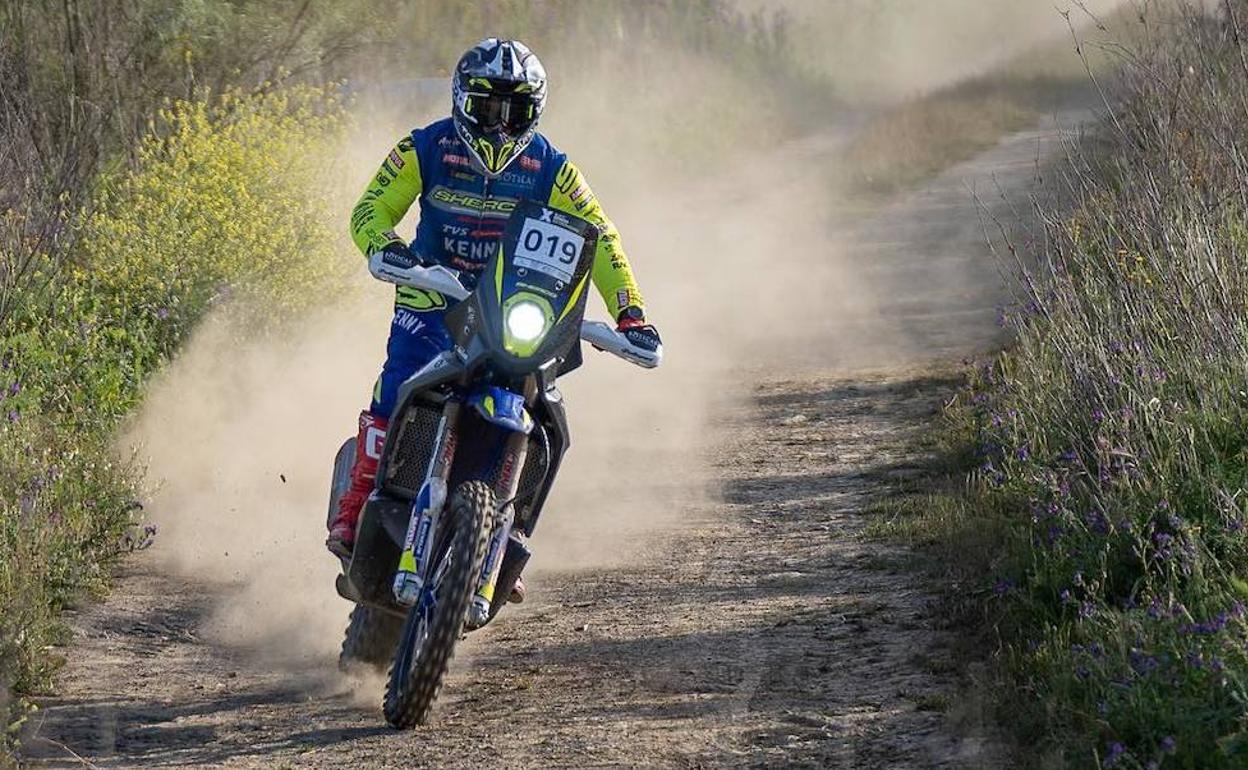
x=468, y=280
x=394, y=263
x=632, y=324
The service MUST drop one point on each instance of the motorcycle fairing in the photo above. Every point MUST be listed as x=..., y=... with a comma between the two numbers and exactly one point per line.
x=551, y=273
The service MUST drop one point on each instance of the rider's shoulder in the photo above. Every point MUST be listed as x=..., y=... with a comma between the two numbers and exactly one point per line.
x=545, y=150
x=438, y=130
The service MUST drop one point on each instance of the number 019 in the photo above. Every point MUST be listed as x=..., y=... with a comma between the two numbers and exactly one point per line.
x=556, y=247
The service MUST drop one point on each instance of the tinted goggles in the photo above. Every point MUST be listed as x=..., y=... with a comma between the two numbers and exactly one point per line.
x=511, y=113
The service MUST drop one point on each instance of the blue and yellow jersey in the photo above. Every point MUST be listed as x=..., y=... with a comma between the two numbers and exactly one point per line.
x=462, y=214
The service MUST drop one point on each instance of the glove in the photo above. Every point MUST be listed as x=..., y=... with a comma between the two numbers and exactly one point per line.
x=394, y=263
x=632, y=324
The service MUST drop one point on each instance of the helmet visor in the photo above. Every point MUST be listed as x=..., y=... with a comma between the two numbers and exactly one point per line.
x=511, y=114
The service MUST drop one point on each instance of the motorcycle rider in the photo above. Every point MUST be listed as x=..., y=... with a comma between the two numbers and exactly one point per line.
x=468, y=172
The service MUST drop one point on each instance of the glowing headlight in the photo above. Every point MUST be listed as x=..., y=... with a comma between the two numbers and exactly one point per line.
x=526, y=321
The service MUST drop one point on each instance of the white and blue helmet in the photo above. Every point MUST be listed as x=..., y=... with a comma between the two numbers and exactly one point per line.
x=499, y=92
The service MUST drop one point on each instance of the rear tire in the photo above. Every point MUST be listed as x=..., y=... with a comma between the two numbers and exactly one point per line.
x=417, y=671
x=370, y=639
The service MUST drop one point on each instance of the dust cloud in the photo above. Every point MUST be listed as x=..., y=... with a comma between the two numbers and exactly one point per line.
x=882, y=50
x=724, y=219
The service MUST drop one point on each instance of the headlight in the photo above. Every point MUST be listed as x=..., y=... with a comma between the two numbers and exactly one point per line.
x=526, y=321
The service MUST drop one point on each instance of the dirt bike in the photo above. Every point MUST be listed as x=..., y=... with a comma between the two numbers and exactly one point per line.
x=473, y=448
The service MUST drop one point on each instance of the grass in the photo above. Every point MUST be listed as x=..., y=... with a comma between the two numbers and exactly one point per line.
x=1101, y=537
x=923, y=137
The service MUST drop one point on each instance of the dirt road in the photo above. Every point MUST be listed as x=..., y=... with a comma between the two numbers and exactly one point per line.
x=762, y=631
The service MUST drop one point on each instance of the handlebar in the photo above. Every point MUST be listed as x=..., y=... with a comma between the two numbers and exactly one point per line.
x=602, y=336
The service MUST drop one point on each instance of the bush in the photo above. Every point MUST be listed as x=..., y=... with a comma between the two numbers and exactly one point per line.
x=227, y=201
x=1112, y=439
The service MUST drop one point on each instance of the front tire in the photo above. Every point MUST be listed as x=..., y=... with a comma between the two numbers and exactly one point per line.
x=429, y=637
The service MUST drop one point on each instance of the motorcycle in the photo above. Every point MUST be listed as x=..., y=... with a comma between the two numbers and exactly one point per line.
x=474, y=445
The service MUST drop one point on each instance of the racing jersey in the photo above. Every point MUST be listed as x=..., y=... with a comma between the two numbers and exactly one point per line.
x=462, y=213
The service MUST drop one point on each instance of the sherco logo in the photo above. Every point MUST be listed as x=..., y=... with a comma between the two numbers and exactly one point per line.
x=460, y=202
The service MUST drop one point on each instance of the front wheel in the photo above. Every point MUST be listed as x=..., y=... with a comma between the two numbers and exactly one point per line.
x=433, y=626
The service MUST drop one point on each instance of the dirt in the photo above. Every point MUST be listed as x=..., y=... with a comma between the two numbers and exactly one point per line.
x=763, y=630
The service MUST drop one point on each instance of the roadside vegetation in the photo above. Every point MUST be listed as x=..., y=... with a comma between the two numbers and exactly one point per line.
x=1101, y=542
x=160, y=162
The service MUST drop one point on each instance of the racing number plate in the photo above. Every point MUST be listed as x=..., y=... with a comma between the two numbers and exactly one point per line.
x=549, y=249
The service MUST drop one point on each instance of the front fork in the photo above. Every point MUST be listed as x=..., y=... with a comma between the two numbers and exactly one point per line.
x=514, y=454
x=427, y=509
x=412, y=574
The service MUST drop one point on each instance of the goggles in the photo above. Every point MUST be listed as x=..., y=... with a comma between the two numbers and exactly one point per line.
x=512, y=114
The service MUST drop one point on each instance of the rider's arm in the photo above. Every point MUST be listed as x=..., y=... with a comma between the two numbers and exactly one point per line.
x=387, y=198
x=612, y=274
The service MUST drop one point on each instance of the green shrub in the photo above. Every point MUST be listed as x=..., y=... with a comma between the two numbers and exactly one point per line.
x=228, y=201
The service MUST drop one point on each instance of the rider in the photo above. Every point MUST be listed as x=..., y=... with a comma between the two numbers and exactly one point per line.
x=468, y=172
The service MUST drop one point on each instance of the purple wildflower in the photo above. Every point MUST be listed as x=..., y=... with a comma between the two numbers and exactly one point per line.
x=1115, y=752
x=1155, y=609
x=13, y=415
x=1143, y=663
x=15, y=388
x=162, y=313
x=1168, y=744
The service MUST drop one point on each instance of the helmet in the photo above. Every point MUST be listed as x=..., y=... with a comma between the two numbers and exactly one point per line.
x=499, y=91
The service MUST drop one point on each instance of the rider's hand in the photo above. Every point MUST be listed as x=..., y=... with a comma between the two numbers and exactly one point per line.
x=632, y=324
x=394, y=263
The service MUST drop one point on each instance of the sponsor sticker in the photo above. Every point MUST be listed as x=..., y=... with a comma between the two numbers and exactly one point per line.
x=374, y=440
x=396, y=159
x=530, y=164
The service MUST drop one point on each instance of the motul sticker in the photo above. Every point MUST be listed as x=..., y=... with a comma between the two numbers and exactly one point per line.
x=396, y=159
